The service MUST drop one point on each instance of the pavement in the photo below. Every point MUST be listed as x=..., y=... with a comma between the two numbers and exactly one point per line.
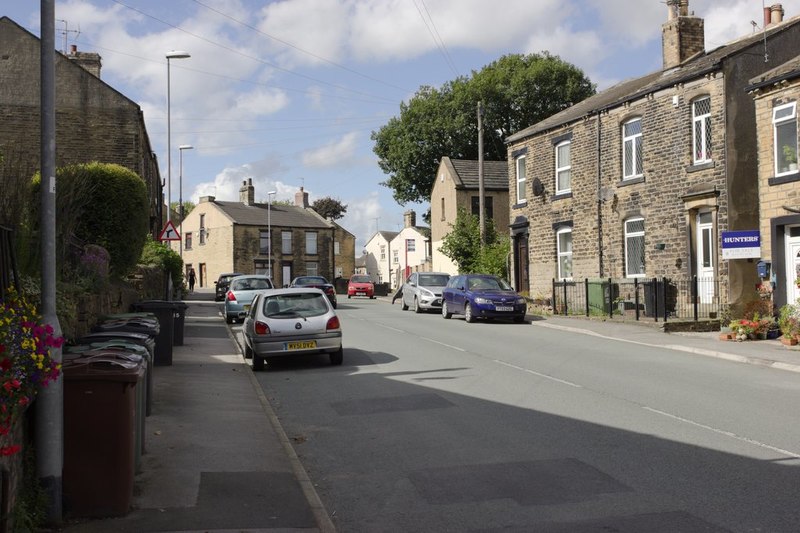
x=217, y=459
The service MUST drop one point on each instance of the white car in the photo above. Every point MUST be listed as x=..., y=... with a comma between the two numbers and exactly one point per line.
x=422, y=291
x=289, y=322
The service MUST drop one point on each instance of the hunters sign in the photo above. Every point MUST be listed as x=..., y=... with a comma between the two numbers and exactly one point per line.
x=741, y=244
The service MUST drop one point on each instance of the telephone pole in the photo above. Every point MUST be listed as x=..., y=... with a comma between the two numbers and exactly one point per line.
x=481, y=200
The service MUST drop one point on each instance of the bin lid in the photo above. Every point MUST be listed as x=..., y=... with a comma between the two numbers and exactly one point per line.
x=130, y=346
x=123, y=316
x=103, y=367
x=139, y=338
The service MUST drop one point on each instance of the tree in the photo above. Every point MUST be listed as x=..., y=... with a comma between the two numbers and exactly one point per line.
x=517, y=91
x=329, y=208
x=463, y=246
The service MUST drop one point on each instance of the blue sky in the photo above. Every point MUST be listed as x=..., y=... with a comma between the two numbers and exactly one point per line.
x=288, y=92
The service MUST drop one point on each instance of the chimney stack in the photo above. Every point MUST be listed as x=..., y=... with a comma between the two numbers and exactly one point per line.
x=682, y=36
x=89, y=61
x=247, y=194
x=410, y=218
x=301, y=198
x=775, y=14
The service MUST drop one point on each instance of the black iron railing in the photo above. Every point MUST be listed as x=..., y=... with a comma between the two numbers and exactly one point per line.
x=9, y=276
x=639, y=298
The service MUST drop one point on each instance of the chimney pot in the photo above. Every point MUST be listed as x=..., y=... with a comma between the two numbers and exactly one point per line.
x=776, y=13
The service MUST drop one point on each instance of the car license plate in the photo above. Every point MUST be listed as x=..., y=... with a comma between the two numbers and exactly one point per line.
x=361, y=294
x=506, y=308
x=301, y=345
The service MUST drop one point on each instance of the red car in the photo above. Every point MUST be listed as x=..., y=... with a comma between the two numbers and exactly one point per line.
x=360, y=285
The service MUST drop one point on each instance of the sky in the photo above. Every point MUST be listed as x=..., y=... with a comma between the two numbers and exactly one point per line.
x=288, y=92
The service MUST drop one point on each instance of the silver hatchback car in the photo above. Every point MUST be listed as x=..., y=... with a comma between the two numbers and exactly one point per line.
x=292, y=321
x=422, y=291
x=240, y=294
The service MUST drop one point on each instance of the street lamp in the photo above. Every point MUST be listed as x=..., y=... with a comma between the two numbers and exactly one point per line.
x=174, y=54
x=270, y=194
x=181, y=148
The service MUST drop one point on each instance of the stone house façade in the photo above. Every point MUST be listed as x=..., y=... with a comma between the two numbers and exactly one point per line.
x=456, y=187
x=640, y=180
x=221, y=237
x=776, y=94
x=94, y=122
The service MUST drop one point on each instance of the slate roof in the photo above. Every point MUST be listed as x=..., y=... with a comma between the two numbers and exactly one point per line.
x=288, y=216
x=634, y=89
x=465, y=173
x=786, y=71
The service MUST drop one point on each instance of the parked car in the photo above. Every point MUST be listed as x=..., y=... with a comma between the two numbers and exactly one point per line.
x=422, y=291
x=482, y=296
x=222, y=283
x=291, y=321
x=241, y=292
x=360, y=285
x=317, y=282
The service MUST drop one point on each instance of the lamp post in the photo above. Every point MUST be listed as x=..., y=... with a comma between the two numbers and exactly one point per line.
x=181, y=148
x=174, y=54
x=270, y=194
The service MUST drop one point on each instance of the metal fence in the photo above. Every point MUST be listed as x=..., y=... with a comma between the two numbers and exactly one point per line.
x=639, y=298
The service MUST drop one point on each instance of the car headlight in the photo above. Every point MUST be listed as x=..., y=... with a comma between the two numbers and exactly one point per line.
x=426, y=293
x=521, y=301
x=482, y=301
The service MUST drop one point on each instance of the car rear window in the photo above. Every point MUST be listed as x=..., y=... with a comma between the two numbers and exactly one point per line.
x=250, y=284
x=295, y=305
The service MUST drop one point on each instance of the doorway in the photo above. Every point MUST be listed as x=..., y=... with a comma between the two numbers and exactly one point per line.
x=705, y=268
x=792, y=247
x=521, y=264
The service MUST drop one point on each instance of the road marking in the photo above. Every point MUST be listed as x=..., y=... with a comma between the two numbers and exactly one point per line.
x=389, y=327
x=723, y=432
x=443, y=344
x=529, y=371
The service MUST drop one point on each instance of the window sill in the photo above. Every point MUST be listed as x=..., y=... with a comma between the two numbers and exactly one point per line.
x=700, y=166
x=561, y=196
x=520, y=205
x=631, y=181
x=786, y=178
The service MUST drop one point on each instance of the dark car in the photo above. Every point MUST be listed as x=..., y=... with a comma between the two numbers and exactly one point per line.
x=316, y=282
x=222, y=284
x=482, y=296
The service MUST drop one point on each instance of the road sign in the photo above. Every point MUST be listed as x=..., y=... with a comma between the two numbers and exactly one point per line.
x=169, y=233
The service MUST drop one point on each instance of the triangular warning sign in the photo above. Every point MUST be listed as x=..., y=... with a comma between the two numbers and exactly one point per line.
x=169, y=233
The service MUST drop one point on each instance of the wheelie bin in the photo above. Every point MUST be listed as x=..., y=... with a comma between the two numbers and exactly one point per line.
x=99, y=434
x=178, y=315
x=164, y=311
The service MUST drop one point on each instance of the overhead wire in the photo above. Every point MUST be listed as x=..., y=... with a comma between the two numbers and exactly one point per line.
x=437, y=38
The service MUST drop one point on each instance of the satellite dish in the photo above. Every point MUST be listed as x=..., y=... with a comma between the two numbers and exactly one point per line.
x=538, y=188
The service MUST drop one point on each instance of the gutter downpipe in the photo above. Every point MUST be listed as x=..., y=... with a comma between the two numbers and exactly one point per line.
x=599, y=199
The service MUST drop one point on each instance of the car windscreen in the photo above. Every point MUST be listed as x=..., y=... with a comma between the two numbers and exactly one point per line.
x=295, y=305
x=433, y=280
x=361, y=279
x=250, y=284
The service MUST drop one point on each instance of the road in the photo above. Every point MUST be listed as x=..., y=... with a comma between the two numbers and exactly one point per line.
x=440, y=425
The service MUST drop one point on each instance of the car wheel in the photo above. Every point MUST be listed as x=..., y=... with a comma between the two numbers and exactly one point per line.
x=403, y=305
x=229, y=319
x=445, y=313
x=337, y=357
x=248, y=352
x=348, y=296
x=417, y=308
x=468, y=316
x=258, y=363
x=519, y=319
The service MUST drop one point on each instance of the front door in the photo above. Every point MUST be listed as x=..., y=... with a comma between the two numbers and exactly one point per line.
x=521, y=262
x=792, y=241
x=705, y=257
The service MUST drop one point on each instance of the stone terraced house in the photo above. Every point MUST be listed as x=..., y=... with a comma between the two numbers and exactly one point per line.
x=641, y=179
x=776, y=94
x=221, y=236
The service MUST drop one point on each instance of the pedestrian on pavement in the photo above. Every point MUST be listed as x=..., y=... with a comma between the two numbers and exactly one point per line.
x=192, y=279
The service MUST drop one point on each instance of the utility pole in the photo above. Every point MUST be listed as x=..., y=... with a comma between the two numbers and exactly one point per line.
x=49, y=429
x=482, y=215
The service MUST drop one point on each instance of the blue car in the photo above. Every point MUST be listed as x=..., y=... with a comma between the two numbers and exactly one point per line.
x=482, y=296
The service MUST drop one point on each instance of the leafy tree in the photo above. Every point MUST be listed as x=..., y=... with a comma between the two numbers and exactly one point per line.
x=176, y=211
x=104, y=204
x=329, y=208
x=158, y=254
x=517, y=91
x=463, y=246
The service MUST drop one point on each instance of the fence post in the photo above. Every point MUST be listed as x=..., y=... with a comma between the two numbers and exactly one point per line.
x=654, y=292
x=566, y=307
x=586, y=294
x=636, y=297
x=664, y=282
x=696, y=299
x=555, y=302
x=610, y=300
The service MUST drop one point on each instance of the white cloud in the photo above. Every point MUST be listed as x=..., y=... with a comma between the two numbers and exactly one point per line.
x=362, y=215
x=336, y=153
x=574, y=47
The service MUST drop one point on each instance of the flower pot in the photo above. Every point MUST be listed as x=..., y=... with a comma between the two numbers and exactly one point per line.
x=762, y=336
x=788, y=341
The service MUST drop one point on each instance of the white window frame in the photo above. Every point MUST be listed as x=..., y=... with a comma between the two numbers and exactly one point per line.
x=521, y=179
x=778, y=144
x=563, y=168
x=311, y=243
x=411, y=245
x=396, y=256
x=286, y=242
x=564, y=254
x=703, y=123
x=335, y=247
x=634, y=235
x=633, y=141
x=264, y=242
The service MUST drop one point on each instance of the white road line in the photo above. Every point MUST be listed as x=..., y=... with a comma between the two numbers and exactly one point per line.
x=443, y=344
x=389, y=327
x=723, y=432
x=529, y=371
